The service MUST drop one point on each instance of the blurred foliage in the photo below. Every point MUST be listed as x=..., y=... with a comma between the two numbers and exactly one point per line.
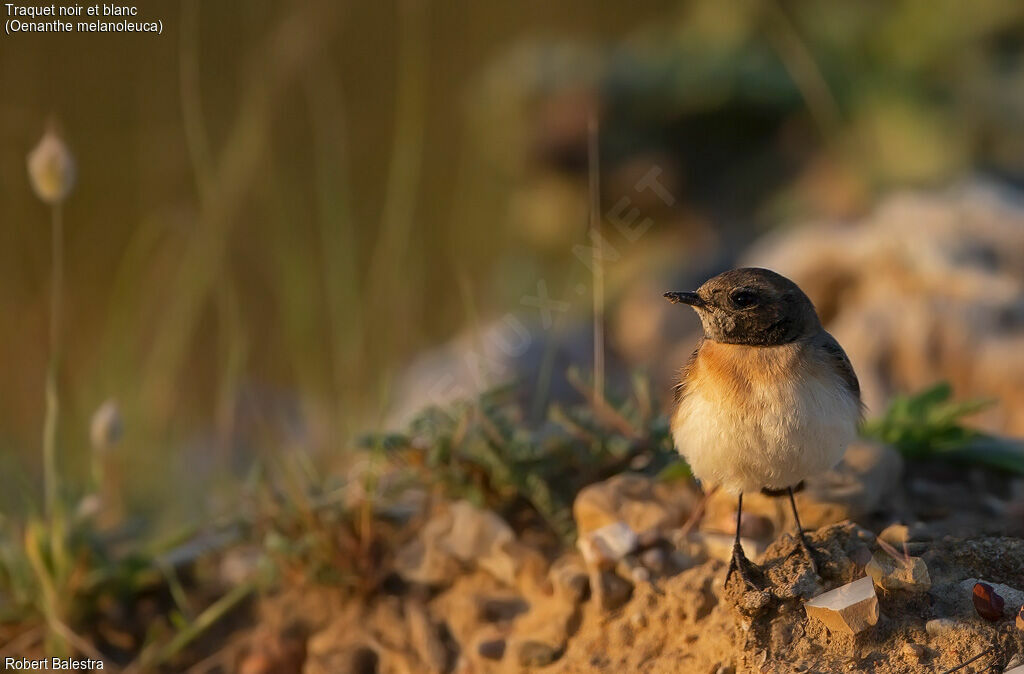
x=302, y=235
x=929, y=425
x=486, y=450
x=61, y=568
x=282, y=245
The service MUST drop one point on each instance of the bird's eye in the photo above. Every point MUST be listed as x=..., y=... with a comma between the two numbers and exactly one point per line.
x=743, y=297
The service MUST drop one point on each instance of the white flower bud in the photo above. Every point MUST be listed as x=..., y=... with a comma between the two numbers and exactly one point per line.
x=106, y=428
x=51, y=168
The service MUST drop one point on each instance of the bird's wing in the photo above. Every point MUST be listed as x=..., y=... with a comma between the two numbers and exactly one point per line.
x=679, y=390
x=838, y=358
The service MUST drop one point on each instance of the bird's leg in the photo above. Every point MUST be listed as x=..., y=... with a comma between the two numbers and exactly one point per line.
x=739, y=562
x=800, y=534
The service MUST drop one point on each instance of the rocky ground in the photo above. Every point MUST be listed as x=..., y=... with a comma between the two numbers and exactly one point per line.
x=644, y=591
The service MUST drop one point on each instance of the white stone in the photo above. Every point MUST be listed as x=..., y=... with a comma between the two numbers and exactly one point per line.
x=940, y=626
x=851, y=608
x=607, y=545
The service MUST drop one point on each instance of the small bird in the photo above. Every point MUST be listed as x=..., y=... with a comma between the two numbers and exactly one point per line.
x=767, y=399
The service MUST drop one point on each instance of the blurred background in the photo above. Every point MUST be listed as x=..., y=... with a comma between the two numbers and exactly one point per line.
x=297, y=222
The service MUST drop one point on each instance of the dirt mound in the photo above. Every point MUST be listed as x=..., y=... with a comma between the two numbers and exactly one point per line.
x=684, y=621
x=691, y=623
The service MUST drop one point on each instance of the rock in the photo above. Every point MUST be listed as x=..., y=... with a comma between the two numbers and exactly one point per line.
x=461, y=535
x=492, y=649
x=915, y=652
x=987, y=602
x=895, y=534
x=642, y=503
x=630, y=567
x=605, y=546
x=857, y=486
x=425, y=559
x=537, y=654
x=610, y=590
x=967, y=604
x=892, y=574
x=928, y=287
x=851, y=608
x=861, y=556
x=898, y=534
x=541, y=634
x=569, y=578
x=938, y=627
x=655, y=560
x=481, y=536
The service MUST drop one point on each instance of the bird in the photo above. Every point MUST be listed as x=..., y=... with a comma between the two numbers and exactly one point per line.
x=767, y=399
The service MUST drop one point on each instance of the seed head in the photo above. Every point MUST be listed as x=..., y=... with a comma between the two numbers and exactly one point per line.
x=51, y=168
x=106, y=427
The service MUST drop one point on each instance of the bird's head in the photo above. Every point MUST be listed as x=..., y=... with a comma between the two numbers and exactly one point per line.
x=751, y=306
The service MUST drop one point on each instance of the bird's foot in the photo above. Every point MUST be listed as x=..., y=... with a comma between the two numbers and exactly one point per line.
x=741, y=566
x=807, y=551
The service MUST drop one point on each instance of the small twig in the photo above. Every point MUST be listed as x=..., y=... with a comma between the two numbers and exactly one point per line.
x=578, y=431
x=903, y=558
x=697, y=513
x=206, y=619
x=597, y=268
x=218, y=658
x=964, y=664
x=799, y=61
x=604, y=410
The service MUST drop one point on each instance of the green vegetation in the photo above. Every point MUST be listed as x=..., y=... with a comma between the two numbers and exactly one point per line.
x=929, y=425
x=487, y=450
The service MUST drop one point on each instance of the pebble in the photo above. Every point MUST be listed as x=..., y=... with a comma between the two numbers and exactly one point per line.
x=605, y=546
x=937, y=627
x=898, y=574
x=655, y=560
x=538, y=653
x=493, y=649
x=569, y=578
x=610, y=590
x=915, y=652
x=987, y=602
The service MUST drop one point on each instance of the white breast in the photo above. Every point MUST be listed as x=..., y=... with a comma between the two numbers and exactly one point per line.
x=754, y=417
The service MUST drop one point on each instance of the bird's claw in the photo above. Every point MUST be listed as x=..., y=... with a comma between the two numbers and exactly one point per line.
x=740, y=565
x=808, y=552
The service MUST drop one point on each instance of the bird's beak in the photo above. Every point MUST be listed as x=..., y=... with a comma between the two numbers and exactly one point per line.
x=693, y=299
